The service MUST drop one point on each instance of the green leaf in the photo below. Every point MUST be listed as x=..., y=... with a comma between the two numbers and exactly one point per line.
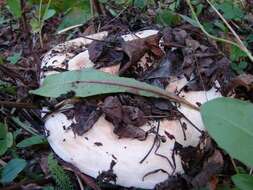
x=167, y=18
x=35, y=24
x=31, y=141
x=243, y=65
x=14, y=58
x=229, y=122
x=2, y=20
x=25, y=125
x=8, y=88
x=6, y=139
x=237, y=53
x=15, y=7
x=189, y=20
x=48, y=188
x=140, y=3
x=91, y=82
x=12, y=169
x=250, y=38
x=220, y=25
x=230, y=11
x=243, y=181
x=77, y=15
x=48, y=14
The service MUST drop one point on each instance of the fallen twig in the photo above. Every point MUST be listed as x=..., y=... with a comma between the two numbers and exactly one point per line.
x=18, y=105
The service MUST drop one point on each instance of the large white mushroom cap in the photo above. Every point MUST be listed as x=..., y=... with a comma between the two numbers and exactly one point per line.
x=94, y=151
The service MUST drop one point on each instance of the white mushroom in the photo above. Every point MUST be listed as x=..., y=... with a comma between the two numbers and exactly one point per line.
x=94, y=151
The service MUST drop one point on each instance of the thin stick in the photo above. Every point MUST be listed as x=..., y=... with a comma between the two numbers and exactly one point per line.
x=234, y=165
x=79, y=182
x=18, y=105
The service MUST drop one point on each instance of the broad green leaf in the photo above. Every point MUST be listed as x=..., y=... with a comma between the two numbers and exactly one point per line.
x=243, y=181
x=77, y=15
x=14, y=58
x=31, y=141
x=15, y=7
x=230, y=123
x=6, y=139
x=12, y=169
x=90, y=82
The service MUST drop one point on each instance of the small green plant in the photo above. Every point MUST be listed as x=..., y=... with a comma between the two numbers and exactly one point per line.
x=6, y=139
x=61, y=178
x=42, y=15
x=77, y=14
x=13, y=59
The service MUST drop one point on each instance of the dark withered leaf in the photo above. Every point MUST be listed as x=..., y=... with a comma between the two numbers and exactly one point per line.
x=188, y=66
x=95, y=50
x=134, y=49
x=170, y=65
x=118, y=113
x=172, y=183
x=162, y=71
x=193, y=44
x=150, y=106
x=138, y=101
x=112, y=109
x=179, y=35
x=245, y=80
x=125, y=119
x=86, y=116
x=152, y=44
x=212, y=167
x=130, y=132
x=104, y=53
x=133, y=116
x=191, y=157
